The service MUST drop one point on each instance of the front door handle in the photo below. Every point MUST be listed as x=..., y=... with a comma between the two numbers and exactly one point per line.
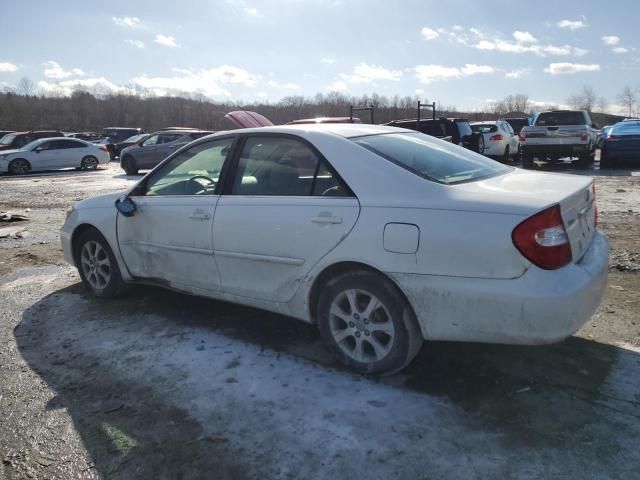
x=324, y=218
x=199, y=215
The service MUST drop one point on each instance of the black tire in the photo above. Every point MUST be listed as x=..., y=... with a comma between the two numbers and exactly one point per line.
x=585, y=161
x=89, y=163
x=90, y=271
x=479, y=144
x=527, y=161
x=403, y=345
x=129, y=166
x=507, y=155
x=19, y=166
x=605, y=161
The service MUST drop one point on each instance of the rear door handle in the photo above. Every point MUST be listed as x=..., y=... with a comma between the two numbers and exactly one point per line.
x=326, y=219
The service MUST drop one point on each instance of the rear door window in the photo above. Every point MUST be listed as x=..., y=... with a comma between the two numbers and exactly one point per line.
x=432, y=159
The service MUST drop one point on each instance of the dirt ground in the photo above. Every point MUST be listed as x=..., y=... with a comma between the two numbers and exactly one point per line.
x=162, y=385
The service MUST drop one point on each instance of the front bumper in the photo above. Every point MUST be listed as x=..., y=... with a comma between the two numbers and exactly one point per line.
x=539, y=307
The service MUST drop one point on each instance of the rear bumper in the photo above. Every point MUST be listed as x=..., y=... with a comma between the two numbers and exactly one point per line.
x=575, y=150
x=539, y=307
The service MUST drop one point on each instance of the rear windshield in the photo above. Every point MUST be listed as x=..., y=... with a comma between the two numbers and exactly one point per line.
x=7, y=139
x=626, y=129
x=484, y=128
x=431, y=158
x=560, y=118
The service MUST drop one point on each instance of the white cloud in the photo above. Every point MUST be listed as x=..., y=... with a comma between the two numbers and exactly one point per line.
x=131, y=22
x=431, y=73
x=524, y=37
x=506, y=46
x=610, y=40
x=328, y=60
x=429, y=34
x=518, y=73
x=457, y=28
x=167, y=41
x=365, y=73
x=55, y=70
x=253, y=12
x=211, y=82
x=338, y=86
x=418, y=91
x=571, y=24
x=286, y=86
x=620, y=50
x=135, y=43
x=64, y=88
x=8, y=67
x=565, y=68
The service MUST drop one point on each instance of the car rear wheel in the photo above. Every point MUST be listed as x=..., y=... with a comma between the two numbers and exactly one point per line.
x=129, y=166
x=97, y=265
x=89, y=163
x=19, y=166
x=605, y=161
x=368, y=324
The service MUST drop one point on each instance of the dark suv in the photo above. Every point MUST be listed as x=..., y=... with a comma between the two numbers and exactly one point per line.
x=457, y=129
x=17, y=140
x=156, y=148
x=118, y=134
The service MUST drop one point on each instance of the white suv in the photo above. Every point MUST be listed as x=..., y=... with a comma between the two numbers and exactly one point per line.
x=500, y=141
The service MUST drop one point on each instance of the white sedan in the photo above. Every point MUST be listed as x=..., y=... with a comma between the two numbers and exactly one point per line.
x=53, y=153
x=381, y=236
x=500, y=141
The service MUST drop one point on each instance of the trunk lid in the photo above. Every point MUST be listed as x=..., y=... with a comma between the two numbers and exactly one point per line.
x=539, y=135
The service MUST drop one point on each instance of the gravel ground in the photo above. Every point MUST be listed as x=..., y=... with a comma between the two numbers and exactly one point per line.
x=162, y=385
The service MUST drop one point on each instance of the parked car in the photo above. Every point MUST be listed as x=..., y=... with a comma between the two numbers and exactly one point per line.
x=500, y=141
x=52, y=153
x=602, y=134
x=517, y=123
x=17, y=140
x=621, y=144
x=88, y=136
x=5, y=132
x=325, y=120
x=458, y=130
x=156, y=148
x=135, y=140
x=118, y=134
x=381, y=236
x=558, y=134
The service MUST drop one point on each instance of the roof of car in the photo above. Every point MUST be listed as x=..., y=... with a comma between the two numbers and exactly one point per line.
x=182, y=131
x=346, y=130
x=486, y=122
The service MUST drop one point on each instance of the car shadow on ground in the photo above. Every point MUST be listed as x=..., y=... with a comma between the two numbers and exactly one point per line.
x=534, y=396
x=53, y=173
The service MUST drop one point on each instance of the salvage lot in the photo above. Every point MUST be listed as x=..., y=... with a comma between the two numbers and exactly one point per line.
x=159, y=384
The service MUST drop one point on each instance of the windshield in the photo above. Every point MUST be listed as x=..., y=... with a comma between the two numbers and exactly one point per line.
x=7, y=139
x=484, y=128
x=560, y=118
x=431, y=158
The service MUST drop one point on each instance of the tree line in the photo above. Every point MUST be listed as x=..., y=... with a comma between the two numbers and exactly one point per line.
x=84, y=110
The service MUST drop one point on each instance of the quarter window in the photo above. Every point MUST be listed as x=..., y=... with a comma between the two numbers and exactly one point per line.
x=195, y=171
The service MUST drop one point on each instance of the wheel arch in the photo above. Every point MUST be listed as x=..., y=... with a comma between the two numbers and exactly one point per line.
x=336, y=269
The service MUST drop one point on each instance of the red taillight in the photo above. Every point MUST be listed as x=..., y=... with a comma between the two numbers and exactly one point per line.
x=595, y=206
x=611, y=138
x=104, y=149
x=543, y=240
x=496, y=137
x=584, y=137
x=522, y=136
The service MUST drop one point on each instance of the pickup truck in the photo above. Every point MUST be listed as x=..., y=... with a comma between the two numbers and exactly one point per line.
x=558, y=134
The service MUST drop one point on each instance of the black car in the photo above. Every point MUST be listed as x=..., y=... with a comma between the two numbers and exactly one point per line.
x=517, y=123
x=17, y=140
x=118, y=134
x=457, y=130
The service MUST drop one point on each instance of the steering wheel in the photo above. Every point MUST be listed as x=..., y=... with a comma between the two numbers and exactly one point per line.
x=197, y=187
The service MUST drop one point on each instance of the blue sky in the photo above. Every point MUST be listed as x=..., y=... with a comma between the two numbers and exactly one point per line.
x=456, y=52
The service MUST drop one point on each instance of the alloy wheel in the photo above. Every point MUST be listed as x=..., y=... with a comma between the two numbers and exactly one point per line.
x=95, y=264
x=20, y=166
x=361, y=326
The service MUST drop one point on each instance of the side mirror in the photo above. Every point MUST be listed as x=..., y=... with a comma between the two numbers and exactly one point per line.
x=37, y=149
x=125, y=206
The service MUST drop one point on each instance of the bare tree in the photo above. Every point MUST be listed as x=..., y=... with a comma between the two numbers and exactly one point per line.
x=26, y=87
x=585, y=100
x=627, y=99
x=602, y=105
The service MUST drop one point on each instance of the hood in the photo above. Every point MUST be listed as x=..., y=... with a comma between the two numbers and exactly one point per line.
x=7, y=151
x=101, y=201
x=246, y=119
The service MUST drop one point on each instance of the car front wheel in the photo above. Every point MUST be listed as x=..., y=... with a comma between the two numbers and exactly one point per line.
x=368, y=323
x=129, y=166
x=97, y=265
